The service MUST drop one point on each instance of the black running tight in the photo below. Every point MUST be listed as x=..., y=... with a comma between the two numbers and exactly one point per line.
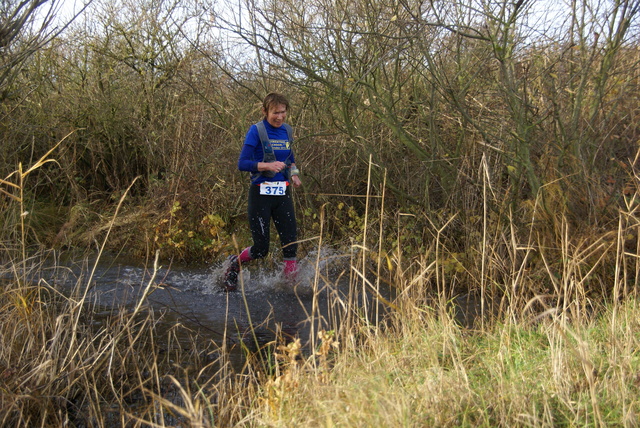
x=263, y=208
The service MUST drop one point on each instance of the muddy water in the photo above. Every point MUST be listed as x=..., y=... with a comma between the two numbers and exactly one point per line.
x=263, y=306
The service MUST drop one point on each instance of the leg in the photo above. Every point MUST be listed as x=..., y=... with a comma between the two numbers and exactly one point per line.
x=285, y=220
x=259, y=211
x=259, y=218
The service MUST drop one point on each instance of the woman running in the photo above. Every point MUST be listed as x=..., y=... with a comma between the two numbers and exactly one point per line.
x=267, y=154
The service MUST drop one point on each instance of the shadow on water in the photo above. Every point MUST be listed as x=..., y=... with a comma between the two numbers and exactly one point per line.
x=264, y=306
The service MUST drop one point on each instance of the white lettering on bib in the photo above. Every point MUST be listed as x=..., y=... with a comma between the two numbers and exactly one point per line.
x=273, y=188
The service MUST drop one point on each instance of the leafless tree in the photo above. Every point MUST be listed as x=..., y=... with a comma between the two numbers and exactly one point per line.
x=25, y=27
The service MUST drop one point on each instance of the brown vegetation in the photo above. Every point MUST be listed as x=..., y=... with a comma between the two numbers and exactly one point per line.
x=450, y=149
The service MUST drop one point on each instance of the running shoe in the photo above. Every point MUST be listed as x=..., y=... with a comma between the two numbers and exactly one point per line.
x=231, y=275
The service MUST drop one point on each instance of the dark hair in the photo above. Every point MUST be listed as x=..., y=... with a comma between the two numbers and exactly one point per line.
x=274, y=99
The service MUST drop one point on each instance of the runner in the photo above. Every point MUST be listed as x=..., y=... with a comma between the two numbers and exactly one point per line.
x=267, y=154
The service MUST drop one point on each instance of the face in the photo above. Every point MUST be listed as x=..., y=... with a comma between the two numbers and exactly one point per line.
x=276, y=115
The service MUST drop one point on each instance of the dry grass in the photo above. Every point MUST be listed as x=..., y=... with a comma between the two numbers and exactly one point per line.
x=425, y=370
x=556, y=342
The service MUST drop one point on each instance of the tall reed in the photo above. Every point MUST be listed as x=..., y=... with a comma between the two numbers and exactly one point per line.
x=60, y=366
x=551, y=341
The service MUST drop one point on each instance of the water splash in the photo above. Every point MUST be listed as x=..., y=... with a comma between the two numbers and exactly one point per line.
x=258, y=279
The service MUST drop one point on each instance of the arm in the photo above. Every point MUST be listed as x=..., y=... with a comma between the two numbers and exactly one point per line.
x=246, y=162
x=295, y=179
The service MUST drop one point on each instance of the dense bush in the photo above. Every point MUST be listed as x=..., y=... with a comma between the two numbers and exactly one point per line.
x=491, y=115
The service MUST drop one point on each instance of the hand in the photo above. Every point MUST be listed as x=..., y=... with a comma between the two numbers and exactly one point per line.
x=271, y=166
x=296, y=181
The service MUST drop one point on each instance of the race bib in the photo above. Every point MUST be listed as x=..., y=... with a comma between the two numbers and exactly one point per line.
x=273, y=188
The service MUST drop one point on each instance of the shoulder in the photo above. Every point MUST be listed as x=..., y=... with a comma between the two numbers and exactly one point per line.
x=252, y=138
x=288, y=128
x=253, y=129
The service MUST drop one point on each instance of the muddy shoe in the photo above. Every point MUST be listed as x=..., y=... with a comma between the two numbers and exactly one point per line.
x=231, y=275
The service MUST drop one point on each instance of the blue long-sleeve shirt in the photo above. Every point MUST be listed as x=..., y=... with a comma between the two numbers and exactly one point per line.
x=252, y=151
